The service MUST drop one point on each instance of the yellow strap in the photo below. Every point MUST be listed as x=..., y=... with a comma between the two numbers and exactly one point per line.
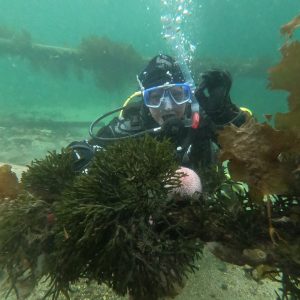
x=136, y=94
x=247, y=110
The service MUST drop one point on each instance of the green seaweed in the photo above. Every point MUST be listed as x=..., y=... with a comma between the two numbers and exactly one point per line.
x=47, y=178
x=25, y=235
x=115, y=225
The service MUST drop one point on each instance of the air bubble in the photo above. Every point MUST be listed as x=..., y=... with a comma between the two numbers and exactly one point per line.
x=178, y=20
x=192, y=48
x=167, y=36
x=165, y=19
x=186, y=12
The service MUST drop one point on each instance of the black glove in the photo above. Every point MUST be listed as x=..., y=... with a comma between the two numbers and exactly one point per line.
x=213, y=92
x=173, y=128
x=213, y=96
x=82, y=155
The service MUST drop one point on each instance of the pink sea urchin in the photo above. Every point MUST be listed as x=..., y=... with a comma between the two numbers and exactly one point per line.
x=190, y=183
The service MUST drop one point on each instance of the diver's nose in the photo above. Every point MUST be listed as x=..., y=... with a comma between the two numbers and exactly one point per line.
x=167, y=103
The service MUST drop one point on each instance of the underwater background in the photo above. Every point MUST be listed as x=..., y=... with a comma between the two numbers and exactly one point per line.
x=225, y=33
x=41, y=112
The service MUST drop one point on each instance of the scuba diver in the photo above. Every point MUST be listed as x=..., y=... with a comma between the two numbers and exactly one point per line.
x=168, y=107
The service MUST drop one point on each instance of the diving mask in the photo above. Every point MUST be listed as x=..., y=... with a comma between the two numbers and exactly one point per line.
x=180, y=93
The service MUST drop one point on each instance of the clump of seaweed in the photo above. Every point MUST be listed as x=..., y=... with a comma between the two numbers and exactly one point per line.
x=27, y=219
x=115, y=225
x=9, y=185
x=237, y=232
x=268, y=160
x=121, y=227
x=262, y=156
x=47, y=178
x=25, y=235
x=112, y=64
x=285, y=76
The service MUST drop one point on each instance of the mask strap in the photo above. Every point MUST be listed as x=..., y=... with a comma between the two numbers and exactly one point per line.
x=140, y=83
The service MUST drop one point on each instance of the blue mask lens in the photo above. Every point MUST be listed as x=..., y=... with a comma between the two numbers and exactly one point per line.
x=180, y=93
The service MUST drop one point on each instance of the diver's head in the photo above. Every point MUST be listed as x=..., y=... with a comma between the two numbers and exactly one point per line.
x=165, y=91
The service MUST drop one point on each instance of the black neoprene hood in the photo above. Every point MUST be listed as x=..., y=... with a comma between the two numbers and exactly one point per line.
x=160, y=70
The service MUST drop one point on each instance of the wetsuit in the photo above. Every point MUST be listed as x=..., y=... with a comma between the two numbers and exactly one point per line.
x=195, y=148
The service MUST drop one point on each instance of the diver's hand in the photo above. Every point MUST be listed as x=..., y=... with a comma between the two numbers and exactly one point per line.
x=82, y=153
x=213, y=91
x=213, y=96
x=173, y=128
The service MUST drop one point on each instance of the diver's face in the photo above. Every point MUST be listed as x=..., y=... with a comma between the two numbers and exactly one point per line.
x=167, y=100
x=167, y=109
